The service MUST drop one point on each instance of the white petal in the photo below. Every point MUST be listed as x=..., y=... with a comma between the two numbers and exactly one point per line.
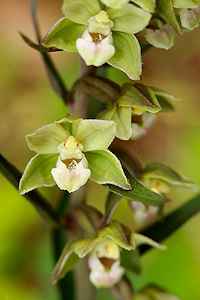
x=71, y=179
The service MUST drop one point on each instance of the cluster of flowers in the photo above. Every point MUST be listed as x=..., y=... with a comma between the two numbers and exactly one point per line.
x=104, y=30
x=72, y=150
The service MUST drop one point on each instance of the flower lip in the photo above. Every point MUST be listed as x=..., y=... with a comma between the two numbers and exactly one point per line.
x=107, y=262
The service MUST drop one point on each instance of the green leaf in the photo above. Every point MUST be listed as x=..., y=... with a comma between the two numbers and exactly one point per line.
x=129, y=18
x=106, y=168
x=63, y=35
x=80, y=11
x=66, y=262
x=127, y=57
x=101, y=88
x=112, y=202
x=38, y=172
x=164, y=173
x=165, y=105
x=44, y=208
x=128, y=160
x=148, y=5
x=115, y=232
x=139, y=192
x=165, y=10
x=95, y=134
x=130, y=260
x=138, y=97
x=161, y=230
x=54, y=77
x=186, y=3
x=46, y=139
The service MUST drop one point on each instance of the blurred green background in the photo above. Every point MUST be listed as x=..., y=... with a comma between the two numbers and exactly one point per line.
x=28, y=102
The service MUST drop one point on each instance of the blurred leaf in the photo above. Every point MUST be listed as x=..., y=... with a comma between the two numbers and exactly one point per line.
x=130, y=260
x=83, y=220
x=163, y=229
x=139, y=192
x=111, y=204
x=162, y=172
x=165, y=10
x=101, y=88
x=44, y=209
x=54, y=77
x=127, y=159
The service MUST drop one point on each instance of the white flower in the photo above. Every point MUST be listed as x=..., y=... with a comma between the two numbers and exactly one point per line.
x=95, y=45
x=143, y=214
x=104, y=264
x=71, y=170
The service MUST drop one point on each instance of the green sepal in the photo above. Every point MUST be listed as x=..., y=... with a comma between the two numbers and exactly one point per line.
x=66, y=262
x=138, y=96
x=162, y=172
x=106, y=168
x=186, y=3
x=164, y=94
x=129, y=18
x=127, y=57
x=95, y=134
x=139, y=192
x=140, y=239
x=148, y=5
x=165, y=10
x=122, y=117
x=63, y=35
x=165, y=105
x=38, y=173
x=69, y=123
x=46, y=139
x=80, y=11
x=116, y=233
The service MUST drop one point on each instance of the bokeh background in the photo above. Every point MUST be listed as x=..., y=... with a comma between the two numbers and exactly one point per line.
x=28, y=102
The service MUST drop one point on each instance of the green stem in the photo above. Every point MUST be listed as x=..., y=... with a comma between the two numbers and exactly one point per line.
x=42, y=206
x=163, y=229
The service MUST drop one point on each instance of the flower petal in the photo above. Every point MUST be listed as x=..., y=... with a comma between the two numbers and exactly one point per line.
x=63, y=35
x=127, y=57
x=71, y=179
x=38, y=173
x=129, y=19
x=106, y=168
x=79, y=11
x=92, y=53
x=47, y=138
x=185, y=3
x=95, y=134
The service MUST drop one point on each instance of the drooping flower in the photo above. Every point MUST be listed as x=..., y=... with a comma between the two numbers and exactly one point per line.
x=69, y=152
x=104, y=264
x=104, y=254
x=101, y=34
